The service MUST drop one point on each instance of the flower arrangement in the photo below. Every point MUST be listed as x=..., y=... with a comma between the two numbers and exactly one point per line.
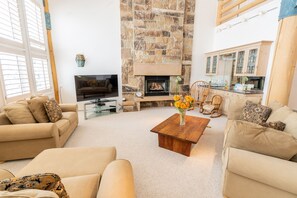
x=182, y=104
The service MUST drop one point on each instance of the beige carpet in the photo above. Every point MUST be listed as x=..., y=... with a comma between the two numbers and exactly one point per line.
x=158, y=173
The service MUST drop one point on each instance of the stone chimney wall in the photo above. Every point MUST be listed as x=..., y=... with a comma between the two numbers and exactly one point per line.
x=156, y=32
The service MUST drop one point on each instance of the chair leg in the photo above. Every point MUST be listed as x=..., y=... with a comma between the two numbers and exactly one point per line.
x=215, y=114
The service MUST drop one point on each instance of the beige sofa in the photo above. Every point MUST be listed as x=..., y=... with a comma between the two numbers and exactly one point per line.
x=256, y=159
x=85, y=172
x=20, y=141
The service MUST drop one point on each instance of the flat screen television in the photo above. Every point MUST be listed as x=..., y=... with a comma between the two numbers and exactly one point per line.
x=96, y=87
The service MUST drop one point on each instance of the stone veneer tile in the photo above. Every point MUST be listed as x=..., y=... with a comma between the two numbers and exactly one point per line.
x=190, y=6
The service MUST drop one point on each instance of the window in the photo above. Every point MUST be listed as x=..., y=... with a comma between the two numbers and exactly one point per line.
x=10, y=27
x=42, y=79
x=24, y=66
x=35, y=28
x=15, y=75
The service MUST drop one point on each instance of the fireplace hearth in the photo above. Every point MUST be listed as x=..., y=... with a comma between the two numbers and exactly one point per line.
x=156, y=86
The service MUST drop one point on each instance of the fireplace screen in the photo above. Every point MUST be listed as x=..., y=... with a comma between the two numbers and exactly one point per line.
x=156, y=85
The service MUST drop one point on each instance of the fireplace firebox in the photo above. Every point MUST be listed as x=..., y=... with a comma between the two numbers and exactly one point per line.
x=156, y=86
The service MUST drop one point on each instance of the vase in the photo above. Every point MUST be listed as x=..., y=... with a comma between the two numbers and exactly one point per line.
x=182, y=118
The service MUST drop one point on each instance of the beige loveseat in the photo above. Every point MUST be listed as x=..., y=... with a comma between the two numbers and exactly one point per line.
x=85, y=172
x=20, y=141
x=256, y=159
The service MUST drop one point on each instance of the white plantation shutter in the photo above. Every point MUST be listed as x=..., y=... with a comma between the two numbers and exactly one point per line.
x=35, y=26
x=24, y=66
x=41, y=74
x=10, y=27
x=15, y=75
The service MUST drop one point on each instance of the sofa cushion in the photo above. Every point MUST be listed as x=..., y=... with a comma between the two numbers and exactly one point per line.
x=63, y=125
x=37, y=108
x=29, y=193
x=19, y=114
x=253, y=137
x=4, y=119
x=72, y=161
x=280, y=114
x=291, y=124
x=45, y=181
x=236, y=105
x=89, y=184
x=71, y=116
x=255, y=113
x=53, y=110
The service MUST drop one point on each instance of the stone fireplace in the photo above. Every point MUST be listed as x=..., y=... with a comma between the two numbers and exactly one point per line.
x=156, y=40
x=156, y=86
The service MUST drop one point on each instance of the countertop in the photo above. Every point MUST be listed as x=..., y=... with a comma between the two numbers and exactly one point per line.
x=238, y=91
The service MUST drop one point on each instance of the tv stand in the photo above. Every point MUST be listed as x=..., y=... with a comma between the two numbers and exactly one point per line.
x=99, y=107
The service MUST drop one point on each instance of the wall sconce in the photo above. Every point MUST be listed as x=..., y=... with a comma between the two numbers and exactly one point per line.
x=80, y=60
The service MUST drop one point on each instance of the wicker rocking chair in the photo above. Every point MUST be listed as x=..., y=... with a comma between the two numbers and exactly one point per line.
x=212, y=107
x=199, y=91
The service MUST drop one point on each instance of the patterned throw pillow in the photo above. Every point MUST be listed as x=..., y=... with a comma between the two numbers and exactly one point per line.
x=46, y=181
x=53, y=110
x=275, y=125
x=255, y=113
x=37, y=108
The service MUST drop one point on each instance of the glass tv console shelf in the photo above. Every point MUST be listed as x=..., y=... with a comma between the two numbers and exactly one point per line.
x=100, y=107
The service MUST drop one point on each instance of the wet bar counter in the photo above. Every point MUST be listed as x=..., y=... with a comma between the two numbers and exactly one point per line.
x=238, y=91
x=228, y=95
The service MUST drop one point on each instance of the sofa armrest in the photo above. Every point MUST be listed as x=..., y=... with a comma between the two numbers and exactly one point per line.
x=5, y=174
x=117, y=181
x=18, y=132
x=68, y=107
x=272, y=171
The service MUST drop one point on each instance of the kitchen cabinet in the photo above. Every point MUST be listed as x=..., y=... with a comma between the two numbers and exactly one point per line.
x=212, y=64
x=250, y=59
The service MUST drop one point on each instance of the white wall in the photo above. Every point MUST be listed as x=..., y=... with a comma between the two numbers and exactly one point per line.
x=90, y=27
x=204, y=31
x=293, y=95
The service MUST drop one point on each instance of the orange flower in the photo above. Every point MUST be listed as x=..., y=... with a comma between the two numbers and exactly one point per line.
x=189, y=98
x=177, y=104
x=176, y=97
x=188, y=104
x=183, y=105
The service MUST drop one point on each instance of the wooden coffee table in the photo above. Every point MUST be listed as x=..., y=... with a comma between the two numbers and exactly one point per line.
x=178, y=138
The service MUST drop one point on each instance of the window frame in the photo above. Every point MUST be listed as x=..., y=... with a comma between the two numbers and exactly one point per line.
x=25, y=49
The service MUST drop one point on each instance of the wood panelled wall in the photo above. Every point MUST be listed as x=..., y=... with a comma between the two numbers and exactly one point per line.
x=229, y=9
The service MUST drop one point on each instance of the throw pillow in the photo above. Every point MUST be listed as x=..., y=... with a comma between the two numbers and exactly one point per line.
x=46, y=181
x=255, y=113
x=291, y=124
x=253, y=137
x=37, y=108
x=280, y=114
x=3, y=119
x=19, y=114
x=29, y=193
x=53, y=110
x=274, y=125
